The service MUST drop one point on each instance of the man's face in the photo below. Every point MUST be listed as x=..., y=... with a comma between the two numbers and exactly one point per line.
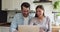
x=25, y=11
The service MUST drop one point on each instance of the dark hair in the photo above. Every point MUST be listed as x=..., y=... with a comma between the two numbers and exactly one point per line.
x=25, y=4
x=41, y=7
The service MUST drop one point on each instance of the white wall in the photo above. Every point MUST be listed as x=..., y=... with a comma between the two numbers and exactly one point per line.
x=9, y=16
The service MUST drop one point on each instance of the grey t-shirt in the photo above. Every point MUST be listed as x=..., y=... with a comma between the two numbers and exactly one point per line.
x=43, y=23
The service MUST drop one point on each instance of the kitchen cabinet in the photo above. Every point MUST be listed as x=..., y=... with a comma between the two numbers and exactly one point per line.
x=15, y=4
x=4, y=29
x=3, y=16
x=6, y=4
x=10, y=4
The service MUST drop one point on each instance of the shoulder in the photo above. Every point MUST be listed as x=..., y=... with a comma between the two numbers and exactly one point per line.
x=18, y=15
x=47, y=19
x=33, y=18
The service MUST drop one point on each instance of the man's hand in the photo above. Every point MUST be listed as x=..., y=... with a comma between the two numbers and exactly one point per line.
x=16, y=31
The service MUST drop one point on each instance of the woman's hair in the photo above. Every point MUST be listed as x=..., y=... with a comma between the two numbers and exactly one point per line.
x=41, y=7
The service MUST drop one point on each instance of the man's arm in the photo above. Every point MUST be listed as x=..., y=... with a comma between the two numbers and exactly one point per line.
x=13, y=24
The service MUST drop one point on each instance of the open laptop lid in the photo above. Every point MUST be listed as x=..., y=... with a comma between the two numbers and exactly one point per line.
x=28, y=28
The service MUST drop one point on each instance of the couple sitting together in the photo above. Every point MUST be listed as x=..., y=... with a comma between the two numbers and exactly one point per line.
x=24, y=18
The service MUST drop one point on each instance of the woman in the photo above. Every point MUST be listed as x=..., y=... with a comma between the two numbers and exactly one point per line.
x=41, y=20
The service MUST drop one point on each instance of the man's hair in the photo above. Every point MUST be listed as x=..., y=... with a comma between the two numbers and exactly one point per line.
x=25, y=4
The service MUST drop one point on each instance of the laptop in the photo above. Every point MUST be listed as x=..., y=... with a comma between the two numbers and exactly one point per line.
x=28, y=28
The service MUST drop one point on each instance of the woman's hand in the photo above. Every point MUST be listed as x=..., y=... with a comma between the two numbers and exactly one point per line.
x=41, y=30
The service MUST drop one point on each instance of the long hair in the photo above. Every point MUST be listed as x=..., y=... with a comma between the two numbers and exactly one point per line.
x=41, y=7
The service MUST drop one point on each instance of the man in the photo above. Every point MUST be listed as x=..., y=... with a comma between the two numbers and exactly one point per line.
x=21, y=18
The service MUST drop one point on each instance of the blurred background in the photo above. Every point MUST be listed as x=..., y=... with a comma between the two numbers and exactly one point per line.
x=8, y=8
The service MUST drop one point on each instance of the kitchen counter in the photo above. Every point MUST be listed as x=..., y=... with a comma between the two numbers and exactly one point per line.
x=55, y=28
x=5, y=24
x=4, y=29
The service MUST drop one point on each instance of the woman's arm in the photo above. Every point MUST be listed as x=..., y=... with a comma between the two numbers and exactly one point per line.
x=49, y=26
x=32, y=21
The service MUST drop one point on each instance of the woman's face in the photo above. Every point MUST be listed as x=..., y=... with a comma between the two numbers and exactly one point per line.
x=39, y=12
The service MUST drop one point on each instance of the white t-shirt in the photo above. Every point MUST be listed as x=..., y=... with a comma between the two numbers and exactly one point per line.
x=26, y=20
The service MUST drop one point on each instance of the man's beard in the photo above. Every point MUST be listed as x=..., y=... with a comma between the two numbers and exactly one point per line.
x=25, y=15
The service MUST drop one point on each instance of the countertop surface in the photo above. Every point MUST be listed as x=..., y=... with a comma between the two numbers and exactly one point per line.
x=55, y=26
x=5, y=24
